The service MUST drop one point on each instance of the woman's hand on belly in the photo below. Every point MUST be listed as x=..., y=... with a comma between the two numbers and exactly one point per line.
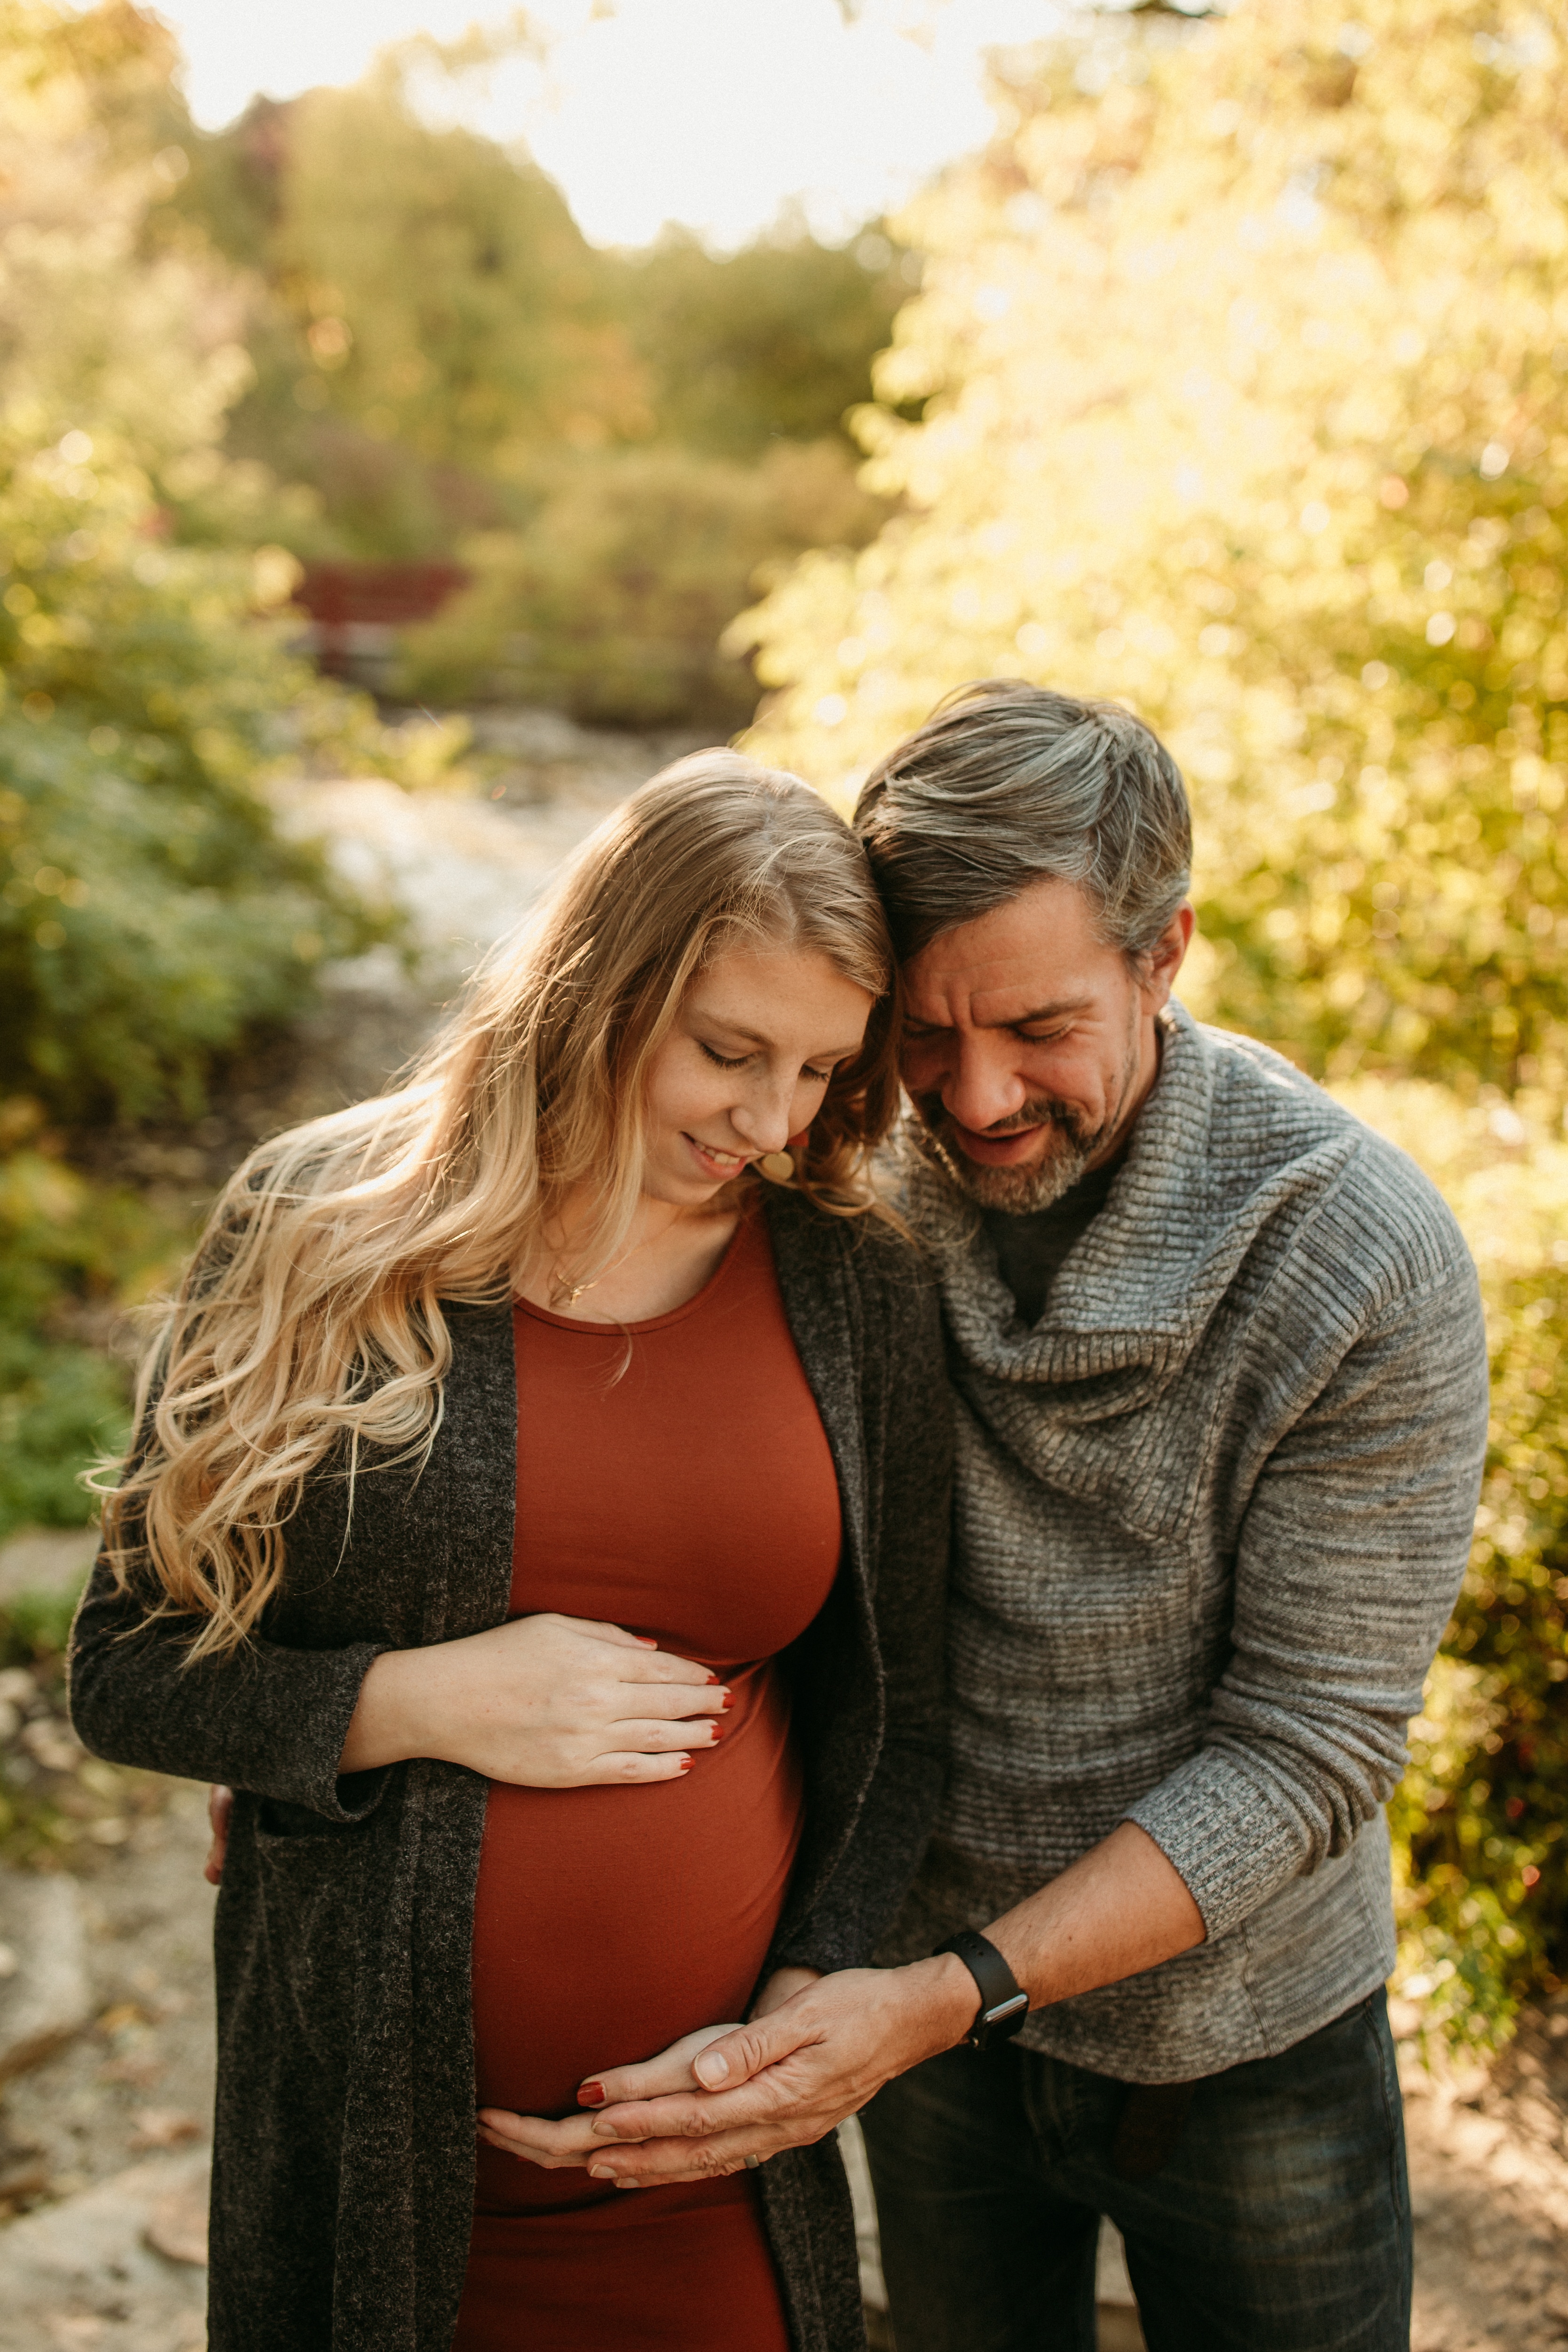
x=539, y=2141
x=543, y=1702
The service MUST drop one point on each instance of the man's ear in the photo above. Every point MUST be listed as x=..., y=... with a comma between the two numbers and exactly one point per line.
x=1166, y=958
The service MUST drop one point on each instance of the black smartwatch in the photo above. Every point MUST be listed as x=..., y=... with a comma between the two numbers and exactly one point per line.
x=1004, y=2004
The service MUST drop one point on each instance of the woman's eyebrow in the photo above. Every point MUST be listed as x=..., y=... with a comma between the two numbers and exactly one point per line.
x=769, y=1044
x=737, y=1029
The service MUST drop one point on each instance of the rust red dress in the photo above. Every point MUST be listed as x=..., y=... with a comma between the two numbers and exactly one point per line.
x=694, y=1498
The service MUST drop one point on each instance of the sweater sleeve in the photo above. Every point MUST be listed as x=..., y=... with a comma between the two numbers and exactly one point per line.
x=266, y=1718
x=908, y=1411
x=1350, y=1555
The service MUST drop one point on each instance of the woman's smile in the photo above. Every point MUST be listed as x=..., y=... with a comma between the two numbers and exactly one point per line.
x=713, y=1161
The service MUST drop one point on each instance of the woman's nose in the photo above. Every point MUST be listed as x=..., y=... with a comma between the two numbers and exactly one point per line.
x=763, y=1120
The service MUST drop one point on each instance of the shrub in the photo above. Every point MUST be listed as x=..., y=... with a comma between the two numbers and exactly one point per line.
x=611, y=603
x=70, y=1255
x=150, y=912
x=1482, y=1822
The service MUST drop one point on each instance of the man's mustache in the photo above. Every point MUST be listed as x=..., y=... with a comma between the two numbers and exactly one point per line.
x=1041, y=1110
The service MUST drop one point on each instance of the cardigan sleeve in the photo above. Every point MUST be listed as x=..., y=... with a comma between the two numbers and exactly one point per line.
x=267, y=1717
x=1350, y=1555
x=908, y=1421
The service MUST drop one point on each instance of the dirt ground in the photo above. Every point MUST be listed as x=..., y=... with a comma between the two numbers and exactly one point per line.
x=102, y=2145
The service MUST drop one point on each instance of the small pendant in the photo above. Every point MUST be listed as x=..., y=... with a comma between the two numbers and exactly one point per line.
x=776, y=1166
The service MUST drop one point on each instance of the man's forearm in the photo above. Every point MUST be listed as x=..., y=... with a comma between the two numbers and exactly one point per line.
x=796, y=2070
x=1120, y=1908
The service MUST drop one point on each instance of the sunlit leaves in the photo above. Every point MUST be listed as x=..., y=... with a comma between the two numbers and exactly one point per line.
x=1245, y=404
x=1245, y=358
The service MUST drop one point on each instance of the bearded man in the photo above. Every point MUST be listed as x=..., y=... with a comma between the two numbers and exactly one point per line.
x=1222, y=1397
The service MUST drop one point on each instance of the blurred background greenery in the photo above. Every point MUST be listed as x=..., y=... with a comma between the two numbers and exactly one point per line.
x=1228, y=379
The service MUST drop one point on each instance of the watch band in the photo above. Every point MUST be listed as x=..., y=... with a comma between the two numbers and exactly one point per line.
x=1004, y=2004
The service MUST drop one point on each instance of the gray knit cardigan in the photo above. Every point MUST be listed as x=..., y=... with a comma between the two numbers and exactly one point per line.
x=1212, y=1514
x=343, y=2170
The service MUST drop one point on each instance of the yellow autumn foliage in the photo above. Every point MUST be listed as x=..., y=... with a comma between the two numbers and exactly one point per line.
x=1244, y=402
x=1243, y=362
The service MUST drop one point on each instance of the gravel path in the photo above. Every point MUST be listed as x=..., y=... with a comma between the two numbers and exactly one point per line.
x=103, y=2144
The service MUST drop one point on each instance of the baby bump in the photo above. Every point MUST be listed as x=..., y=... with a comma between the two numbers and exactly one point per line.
x=609, y=1921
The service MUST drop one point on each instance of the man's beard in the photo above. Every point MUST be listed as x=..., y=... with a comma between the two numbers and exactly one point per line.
x=1070, y=1144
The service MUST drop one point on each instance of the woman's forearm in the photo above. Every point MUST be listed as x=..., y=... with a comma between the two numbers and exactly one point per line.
x=542, y=1701
x=394, y=1719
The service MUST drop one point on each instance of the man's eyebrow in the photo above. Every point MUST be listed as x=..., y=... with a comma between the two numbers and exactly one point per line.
x=1015, y=1020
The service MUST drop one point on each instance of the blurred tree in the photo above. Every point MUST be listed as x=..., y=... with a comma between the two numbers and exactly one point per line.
x=446, y=297
x=1243, y=357
x=611, y=605
x=430, y=332
x=774, y=341
x=425, y=316
x=150, y=913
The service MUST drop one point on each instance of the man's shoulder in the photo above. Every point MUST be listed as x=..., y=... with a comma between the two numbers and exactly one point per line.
x=1268, y=1119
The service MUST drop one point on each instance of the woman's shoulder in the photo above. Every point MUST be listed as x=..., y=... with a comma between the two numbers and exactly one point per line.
x=874, y=1255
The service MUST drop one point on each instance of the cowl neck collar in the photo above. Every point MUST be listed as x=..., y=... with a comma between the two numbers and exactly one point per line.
x=1137, y=1292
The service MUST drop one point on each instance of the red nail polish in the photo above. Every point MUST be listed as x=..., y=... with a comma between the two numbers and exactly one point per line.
x=716, y=1732
x=728, y=1702
x=591, y=2094
x=713, y=1678
x=685, y=1763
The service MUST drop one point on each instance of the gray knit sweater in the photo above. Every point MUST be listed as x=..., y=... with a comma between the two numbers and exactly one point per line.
x=1213, y=1513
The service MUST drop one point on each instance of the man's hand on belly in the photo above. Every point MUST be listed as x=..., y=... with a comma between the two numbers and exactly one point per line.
x=804, y=2067
x=799, y=2070
x=538, y=2140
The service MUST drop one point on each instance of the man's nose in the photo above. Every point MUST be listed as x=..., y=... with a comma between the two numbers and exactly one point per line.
x=980, y=1085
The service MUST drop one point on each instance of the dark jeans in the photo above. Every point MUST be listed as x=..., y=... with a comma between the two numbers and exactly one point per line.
x=1280, y=2221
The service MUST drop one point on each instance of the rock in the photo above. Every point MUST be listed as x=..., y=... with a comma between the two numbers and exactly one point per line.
x=46, y=1994
x=177, y=2225
x=118, y=2268
x=164, y=2127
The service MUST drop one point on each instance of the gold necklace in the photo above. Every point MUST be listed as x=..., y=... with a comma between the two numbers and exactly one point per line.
x=574, y=1291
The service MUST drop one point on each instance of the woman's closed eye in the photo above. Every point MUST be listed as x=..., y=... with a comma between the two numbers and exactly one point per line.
x=738, y=1061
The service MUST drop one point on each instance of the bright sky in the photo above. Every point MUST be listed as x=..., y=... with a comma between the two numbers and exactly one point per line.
x=713, y=113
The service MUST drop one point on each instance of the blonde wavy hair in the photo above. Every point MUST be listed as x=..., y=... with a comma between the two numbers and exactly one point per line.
x=309, y=1330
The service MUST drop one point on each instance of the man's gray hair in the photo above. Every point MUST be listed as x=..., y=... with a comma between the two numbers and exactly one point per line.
x=1006, y=783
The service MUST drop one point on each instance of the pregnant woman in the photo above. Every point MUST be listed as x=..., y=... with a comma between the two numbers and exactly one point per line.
x=523, y=1524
